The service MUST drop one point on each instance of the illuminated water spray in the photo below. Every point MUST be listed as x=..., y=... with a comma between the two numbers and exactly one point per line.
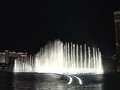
x=63, y=58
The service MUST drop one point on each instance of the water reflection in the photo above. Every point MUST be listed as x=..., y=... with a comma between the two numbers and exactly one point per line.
x=32, y=81
x=23, y=81
x=62, y=85
x=6, y=81
x=48, y=82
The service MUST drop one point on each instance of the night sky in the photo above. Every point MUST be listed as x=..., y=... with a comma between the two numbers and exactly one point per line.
x=27, y=26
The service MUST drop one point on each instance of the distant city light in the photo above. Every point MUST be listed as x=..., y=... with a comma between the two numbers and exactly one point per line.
x=23, y=55
x=20, y=53
x=13, y=52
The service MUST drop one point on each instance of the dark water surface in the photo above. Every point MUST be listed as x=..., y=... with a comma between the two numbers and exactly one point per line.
x=34, y=81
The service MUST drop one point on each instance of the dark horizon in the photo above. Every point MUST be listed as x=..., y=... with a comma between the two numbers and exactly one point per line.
x=27, y=26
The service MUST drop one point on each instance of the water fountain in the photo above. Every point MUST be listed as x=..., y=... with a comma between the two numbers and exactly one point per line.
x=62, y=58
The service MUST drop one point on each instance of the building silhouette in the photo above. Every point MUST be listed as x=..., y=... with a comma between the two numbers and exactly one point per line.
x=7, y=58
x=117, y=31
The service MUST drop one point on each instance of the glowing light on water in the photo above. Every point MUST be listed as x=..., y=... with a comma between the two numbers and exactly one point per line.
x=62, y=58
x=80, y=81
x=70, y=81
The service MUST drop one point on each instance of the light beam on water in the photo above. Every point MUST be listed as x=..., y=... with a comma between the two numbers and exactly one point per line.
x=70, y=79
x=80, y=81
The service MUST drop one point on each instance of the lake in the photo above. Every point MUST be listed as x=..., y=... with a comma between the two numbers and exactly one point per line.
x=36, y=81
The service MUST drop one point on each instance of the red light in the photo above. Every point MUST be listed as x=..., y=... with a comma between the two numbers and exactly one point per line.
x=23, y=55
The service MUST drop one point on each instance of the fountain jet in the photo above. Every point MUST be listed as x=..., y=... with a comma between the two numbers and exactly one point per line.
x=62, y=58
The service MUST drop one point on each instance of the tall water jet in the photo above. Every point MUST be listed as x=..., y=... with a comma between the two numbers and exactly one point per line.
x=62, y=58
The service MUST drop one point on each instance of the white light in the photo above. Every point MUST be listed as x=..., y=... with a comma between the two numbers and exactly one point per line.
x=70, y=81
x=80, y=81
